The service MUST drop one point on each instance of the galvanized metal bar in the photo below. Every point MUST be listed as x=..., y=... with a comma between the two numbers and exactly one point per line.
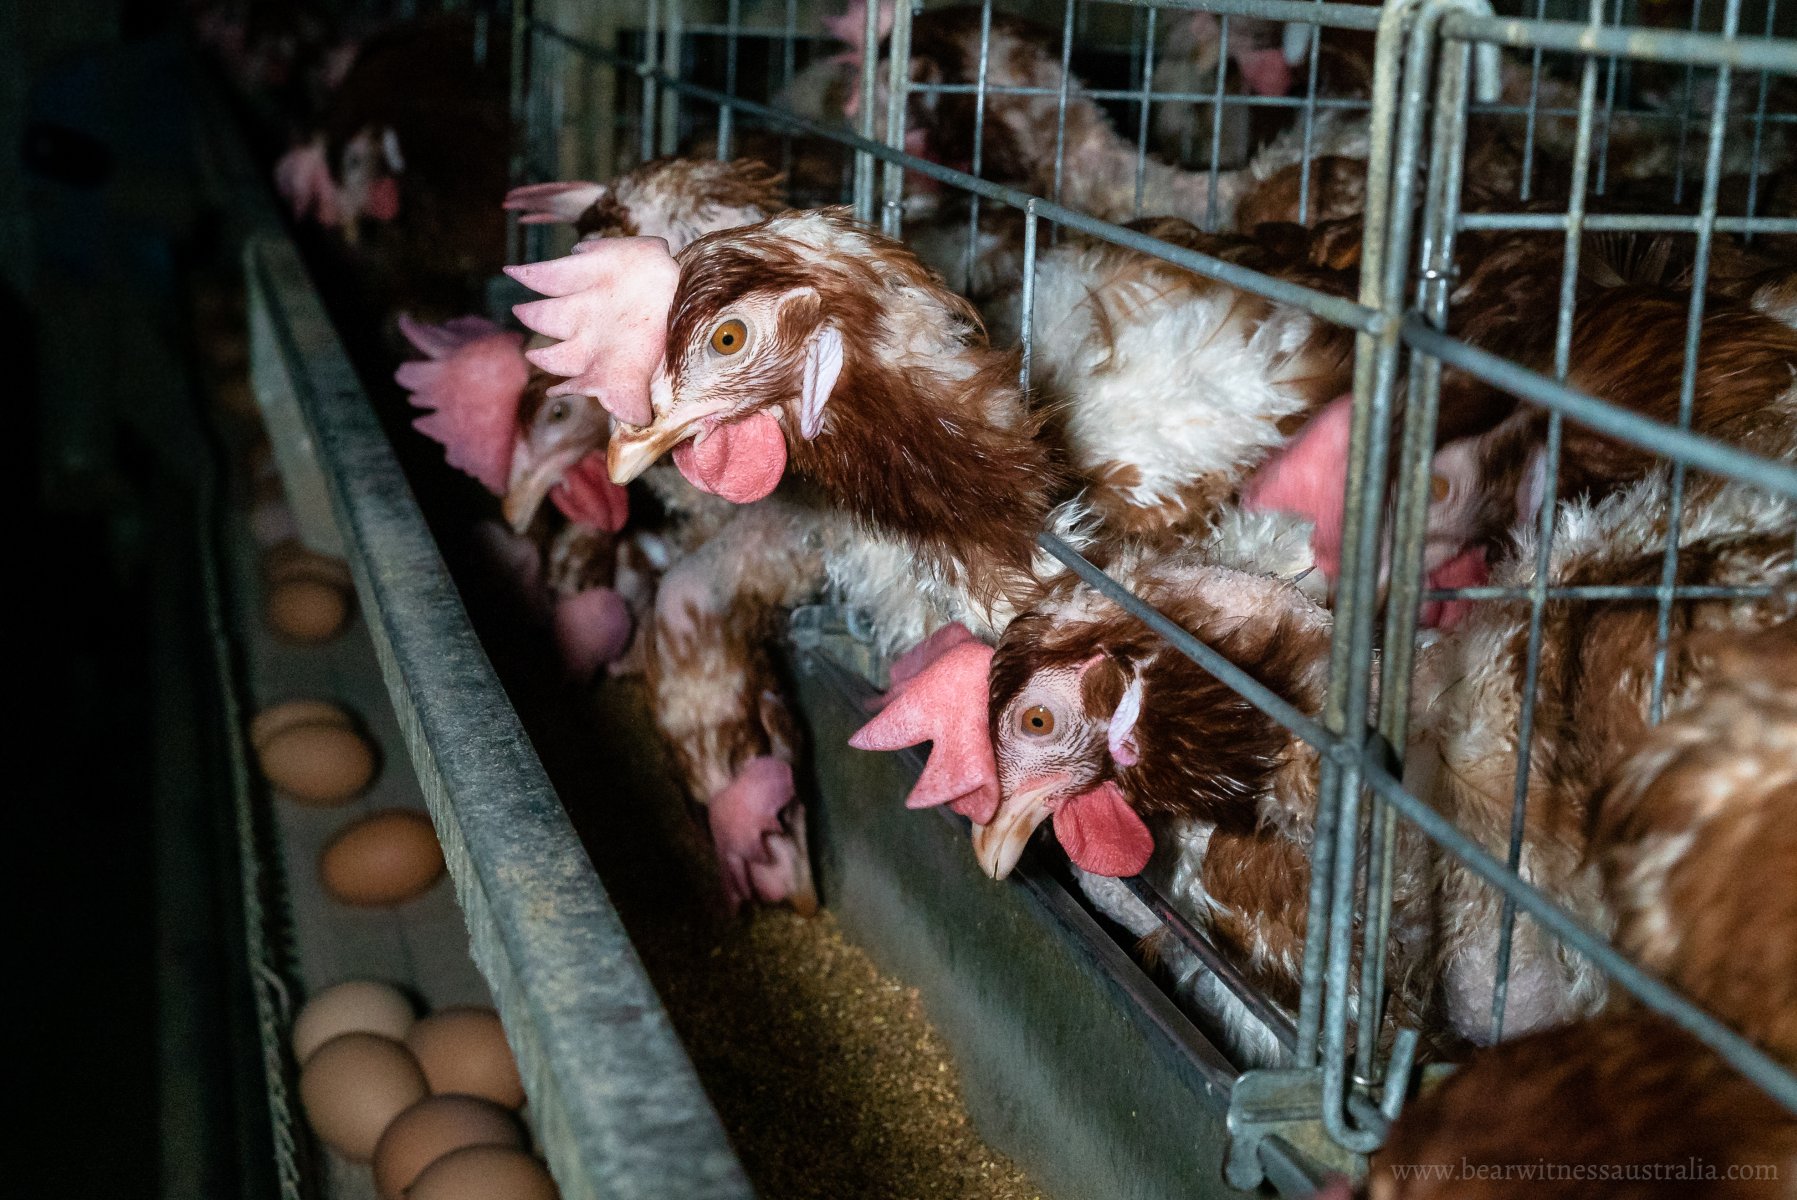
x=789, y=67
x=1692, y=449
x=1374, y=371
x=1146, y=102
x=1526, y=188
x=673, y=61
x=869, y=84
x=978, y=163
x=618, y=1107
x=1604, y=592
x=1687, y=388
x=1213, y=171
x=520, y=91
x=1308, y=12
x=1610, y=76
x=1308, y=121
x=1545, y=520
x=1687, y=96
x=1759, y=123
x=1060, y=120
x=727, y=112
x=1026, y=334
x=646, y=69
x=1627, y=223
x=898, y=80
x=1638, y=45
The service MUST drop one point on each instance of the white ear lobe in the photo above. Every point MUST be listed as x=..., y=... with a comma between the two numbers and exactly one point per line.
x=1533, y=489
x=396, y=162
x=1122, y=735
x=823, y=363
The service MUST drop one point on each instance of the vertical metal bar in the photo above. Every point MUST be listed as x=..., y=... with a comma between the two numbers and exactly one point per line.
x=1689, y=101
x=1374, y=364
x=1409, y=524
x=789, y=37
x=1060, y=121
x=1216, y=125
x=651, y=32
x=1351, y=646
x=733, y=15
x=1147, y=102
x=979, y=134
x=870, y=75
x=1759, y=128
x=523, y=42
x=673, y=62
x=1610, y=80
x=1687, y=388
x=1027, y=301
x=898, y=82
x=1550, y=502
x=1526, y=192
x=1309, y=121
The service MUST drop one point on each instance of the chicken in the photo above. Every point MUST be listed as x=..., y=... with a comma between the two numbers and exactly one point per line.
x=1489, y=470
x=675, y=199
x=1698, y=846
x=1101, y=727
x=408, y=165
x=719, y=700
x=1626, y=1105
x=1698, y=860
x=491, y=414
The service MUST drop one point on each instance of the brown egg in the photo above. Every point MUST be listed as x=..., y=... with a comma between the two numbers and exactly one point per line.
x=463, y=1052
x=354, y=1006
x=288, y=714
x=353, y=1086
x=382, y=859
x=318, y=763
x=307, y=610
x=433, y=1127
x=290, y=559
x=485, y=1173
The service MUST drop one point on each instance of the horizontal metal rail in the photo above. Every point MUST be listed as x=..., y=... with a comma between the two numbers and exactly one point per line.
x=1334, y=309
x=618, y=1107
x=1765, y=1071
x=1642, y=45
x=1623, y=223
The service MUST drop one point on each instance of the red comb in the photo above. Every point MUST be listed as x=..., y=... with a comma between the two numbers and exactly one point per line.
x=609, y=314
x=553, y=203
x=587, y=496
x=945, y=704
x=472, y=381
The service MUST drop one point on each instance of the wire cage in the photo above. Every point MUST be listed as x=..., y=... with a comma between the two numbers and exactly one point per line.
x=1669, y=124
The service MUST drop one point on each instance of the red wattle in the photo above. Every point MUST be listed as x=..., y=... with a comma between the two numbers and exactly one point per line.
x=383, y=200
x=740, y=460
x=1102, y=834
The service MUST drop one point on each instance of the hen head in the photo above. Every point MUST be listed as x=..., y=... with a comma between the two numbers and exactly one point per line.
x=1063, y=729
x=338, y=186
x=554, y=434
x=1097, y=723
x=755, y=346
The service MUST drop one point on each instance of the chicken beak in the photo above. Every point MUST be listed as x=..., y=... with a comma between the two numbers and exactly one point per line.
x=1000, y=843
x=633, y=451
x=530, y=485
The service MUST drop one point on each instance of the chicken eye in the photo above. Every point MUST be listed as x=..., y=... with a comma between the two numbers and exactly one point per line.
x=1439, y=487
x=1036, y=721
x=558, y=411
x=730, y=337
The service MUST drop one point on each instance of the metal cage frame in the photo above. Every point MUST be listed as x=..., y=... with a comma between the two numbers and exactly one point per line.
x=1432, y=58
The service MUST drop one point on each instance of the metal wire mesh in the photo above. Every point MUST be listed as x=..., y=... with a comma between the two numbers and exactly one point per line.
x=718, y=77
